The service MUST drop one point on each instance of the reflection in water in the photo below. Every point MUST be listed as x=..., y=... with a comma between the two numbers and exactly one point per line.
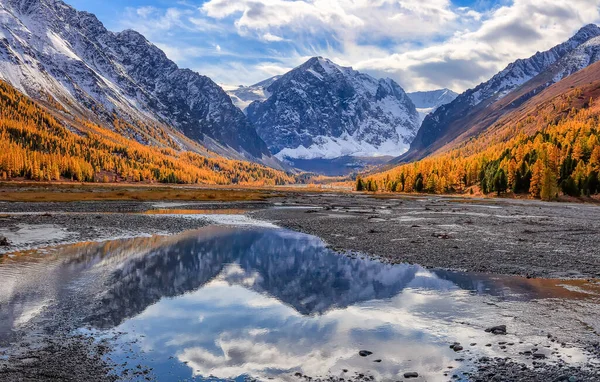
x=231, y=302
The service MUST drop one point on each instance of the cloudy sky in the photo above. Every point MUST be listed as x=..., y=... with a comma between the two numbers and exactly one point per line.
x=421, y=44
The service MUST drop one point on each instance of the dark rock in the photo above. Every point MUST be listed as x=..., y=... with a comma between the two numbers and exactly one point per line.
x=411, y=374
x=4, y=242
x=500, y=329
x=365, y=353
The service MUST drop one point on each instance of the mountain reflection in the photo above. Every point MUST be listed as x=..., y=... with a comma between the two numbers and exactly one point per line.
x=258, y=302
x=296, y=269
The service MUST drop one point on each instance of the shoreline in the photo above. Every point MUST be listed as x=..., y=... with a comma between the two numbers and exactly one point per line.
x=526, y=238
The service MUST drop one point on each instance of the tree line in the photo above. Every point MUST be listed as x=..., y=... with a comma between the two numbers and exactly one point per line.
x=553, y=150
x=35, y=145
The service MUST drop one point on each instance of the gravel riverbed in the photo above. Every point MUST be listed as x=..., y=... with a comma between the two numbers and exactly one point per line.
x=504, y=236
x=528, y=238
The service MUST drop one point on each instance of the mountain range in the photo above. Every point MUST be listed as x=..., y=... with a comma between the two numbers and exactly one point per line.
x=319, y=116
x=477, y=109
x=345, y=127
x=50, y=50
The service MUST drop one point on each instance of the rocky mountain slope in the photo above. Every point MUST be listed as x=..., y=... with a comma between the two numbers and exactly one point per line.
x=451, y=120
x=322, y=110
x=49, y=50
x=427, y=102
x=243, y=96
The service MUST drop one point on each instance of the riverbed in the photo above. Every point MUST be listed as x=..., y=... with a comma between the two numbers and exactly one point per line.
x=225, y=292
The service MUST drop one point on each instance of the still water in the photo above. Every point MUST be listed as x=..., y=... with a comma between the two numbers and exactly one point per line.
x=227, y=303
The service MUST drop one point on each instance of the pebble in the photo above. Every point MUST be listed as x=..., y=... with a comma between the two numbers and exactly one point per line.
x=500, y=329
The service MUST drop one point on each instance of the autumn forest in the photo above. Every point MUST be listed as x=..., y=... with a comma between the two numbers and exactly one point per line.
x=553, y=149
x=35, y=145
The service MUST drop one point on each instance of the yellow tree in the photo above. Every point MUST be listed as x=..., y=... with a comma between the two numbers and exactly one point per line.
x=537, y=175
x=549, y=189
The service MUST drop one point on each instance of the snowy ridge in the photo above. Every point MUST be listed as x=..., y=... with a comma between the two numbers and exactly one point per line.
x=49, y=48
x=427, y=102
x=572, y=55
x=432, y=98
x=583, y=56
x=521, y=71
x=243, y=96
x=322, y=110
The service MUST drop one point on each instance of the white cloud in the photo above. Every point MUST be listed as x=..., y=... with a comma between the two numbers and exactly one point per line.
x=271, y=37
x=344, y=18
x=504, y=35
x=423, y=45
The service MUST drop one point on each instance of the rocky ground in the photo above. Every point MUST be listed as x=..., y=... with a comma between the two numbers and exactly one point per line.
x=505, y=236
x=528, y=238
x=36, y=225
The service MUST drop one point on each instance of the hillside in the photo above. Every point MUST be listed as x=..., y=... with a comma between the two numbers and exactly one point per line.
x=470, y=111
x=49, y=48
x=39, y=143
x=550, y=143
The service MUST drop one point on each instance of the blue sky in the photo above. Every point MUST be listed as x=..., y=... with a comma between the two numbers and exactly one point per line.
x=421, y=44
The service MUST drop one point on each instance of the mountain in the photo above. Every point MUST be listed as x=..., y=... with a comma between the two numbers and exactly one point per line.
x=322, y=110
x=427, y=102
x=546, y=141
x=451, y=120
x=243, y=96
x=48, y=144
x=50, y=50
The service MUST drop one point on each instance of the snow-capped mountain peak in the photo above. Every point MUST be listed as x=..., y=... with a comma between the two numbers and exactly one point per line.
x=49, y=48
x=243, y=96
x=562, y=60
x=427, y=102
x=323, y=110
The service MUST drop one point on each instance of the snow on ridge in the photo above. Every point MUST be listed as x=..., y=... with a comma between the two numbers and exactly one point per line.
x=323, y=110
x=326, y=147
x=427, y=102
x=48, y=46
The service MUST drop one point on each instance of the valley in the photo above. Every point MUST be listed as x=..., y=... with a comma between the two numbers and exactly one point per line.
x=299, y=191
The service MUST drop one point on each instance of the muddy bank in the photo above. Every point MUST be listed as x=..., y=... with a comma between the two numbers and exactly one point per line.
x=37, y=225
x=526, y=238
x=59, y=357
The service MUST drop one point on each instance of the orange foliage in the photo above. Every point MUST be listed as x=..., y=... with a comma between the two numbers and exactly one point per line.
x=557, y=145
x=35, y=145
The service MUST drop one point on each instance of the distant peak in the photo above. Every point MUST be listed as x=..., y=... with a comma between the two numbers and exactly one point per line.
x=587, y=32
x=318, y=60
x=324, y=66
x=131, y=34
